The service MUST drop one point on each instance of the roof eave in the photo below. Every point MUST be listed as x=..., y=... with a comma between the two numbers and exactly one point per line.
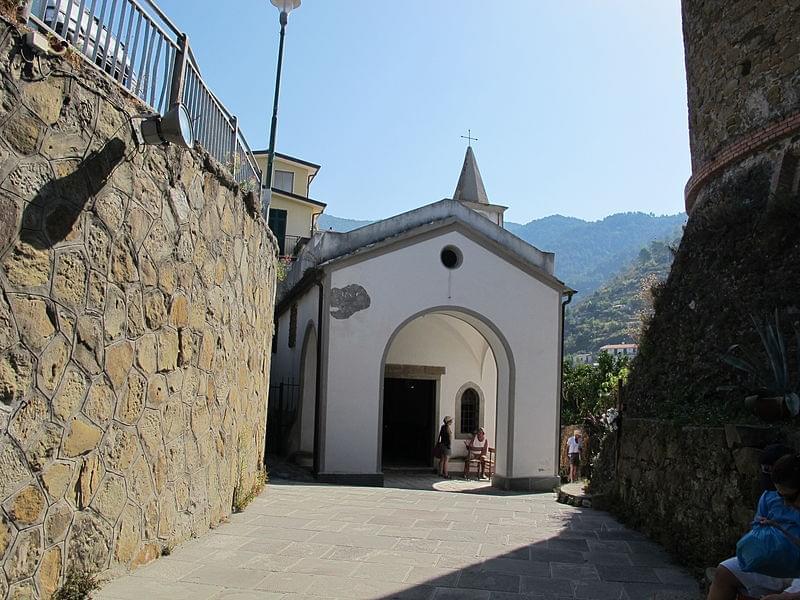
x=299, y=198
x=293, y=159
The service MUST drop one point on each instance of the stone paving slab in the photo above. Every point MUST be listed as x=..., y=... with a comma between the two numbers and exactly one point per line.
x=421, y=539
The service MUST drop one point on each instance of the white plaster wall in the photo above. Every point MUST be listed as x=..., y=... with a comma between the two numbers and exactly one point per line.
x=308, y=391
x=411, y=279
x=489, y=379
x=286, y=362
x=494, y=217
x=445, y=341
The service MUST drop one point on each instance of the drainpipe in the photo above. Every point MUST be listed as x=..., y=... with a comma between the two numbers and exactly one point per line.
x=564, y=302
x=570, y=294
x=318, y=382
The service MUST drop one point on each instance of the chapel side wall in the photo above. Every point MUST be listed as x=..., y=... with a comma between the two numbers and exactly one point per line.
x=136, y=294
x=287, y=362
x=529, y=320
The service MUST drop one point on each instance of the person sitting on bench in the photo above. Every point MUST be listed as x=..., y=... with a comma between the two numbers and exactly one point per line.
x=477, y=448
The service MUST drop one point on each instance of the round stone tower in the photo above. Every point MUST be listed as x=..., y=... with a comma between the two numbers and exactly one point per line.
x=738, y=263
x=743, y=76
x=739, y=256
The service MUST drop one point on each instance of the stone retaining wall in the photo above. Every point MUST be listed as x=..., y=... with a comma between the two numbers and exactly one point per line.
x=136, y=301
x=692, y=489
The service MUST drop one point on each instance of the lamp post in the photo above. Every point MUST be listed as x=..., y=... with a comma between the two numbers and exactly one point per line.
x=285, y=6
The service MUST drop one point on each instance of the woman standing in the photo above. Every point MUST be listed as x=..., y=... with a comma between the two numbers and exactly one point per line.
x=445, y=446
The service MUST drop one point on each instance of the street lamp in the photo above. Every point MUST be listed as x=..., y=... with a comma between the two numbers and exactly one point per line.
x=285, y=6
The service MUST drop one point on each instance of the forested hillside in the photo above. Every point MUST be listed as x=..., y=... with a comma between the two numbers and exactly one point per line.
x=613, y=314
x=588, y=253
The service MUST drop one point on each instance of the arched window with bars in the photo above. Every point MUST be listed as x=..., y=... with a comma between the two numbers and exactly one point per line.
x=470, y=412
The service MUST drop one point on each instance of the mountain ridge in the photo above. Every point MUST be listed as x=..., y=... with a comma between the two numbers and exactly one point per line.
x=614, y=313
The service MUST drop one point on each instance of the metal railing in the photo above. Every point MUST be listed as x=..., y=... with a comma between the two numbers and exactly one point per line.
x=291, y=244
x=283, y=408
x=136, y=44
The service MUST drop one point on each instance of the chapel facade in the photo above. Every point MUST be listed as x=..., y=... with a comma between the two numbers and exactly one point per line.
x=383, y=331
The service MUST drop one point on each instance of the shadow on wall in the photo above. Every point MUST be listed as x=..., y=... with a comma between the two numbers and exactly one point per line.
x=484, y=550
x=59, y=203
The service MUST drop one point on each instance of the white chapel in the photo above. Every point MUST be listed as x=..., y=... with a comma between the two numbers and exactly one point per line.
x=384, y=330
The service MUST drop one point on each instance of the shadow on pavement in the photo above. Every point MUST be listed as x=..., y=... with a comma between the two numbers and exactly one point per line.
x=588, y=555
x=558, y=554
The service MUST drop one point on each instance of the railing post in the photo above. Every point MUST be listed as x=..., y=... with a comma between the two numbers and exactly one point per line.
x=279, y=428
x=179, y=70
x=24, y=12
x=234, y=148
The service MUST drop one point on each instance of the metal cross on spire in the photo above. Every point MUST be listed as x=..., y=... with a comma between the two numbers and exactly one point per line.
x=469, y=138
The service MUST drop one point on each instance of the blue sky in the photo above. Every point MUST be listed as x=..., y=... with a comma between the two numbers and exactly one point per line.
x=579, y=107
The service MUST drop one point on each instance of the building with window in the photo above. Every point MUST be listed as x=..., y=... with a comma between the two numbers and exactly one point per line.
x=292, y=213
x=629, y=350
x=383, y=331
x=581, y=358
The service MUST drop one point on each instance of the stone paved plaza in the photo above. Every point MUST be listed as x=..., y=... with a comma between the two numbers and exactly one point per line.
x=416, y=538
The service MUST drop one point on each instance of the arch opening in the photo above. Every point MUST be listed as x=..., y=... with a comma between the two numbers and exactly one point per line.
x=447, y=354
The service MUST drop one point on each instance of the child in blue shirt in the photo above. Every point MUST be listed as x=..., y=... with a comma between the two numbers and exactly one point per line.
x=783, y=506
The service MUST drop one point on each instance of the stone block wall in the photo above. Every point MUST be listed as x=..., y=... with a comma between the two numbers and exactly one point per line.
x=136, y=300
x=692, y=489
x=742, y=69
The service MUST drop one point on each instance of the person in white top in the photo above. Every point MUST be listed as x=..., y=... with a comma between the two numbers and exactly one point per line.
x=477, y=448
x=574, y=446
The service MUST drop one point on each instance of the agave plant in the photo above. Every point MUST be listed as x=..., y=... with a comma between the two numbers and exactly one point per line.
x=773, y=376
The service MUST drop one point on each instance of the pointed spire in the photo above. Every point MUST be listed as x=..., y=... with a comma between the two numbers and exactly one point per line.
x=470, y=185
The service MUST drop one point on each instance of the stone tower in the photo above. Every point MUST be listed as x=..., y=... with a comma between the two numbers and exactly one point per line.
x=743, y=79
x=739, y=257
x=738, y=260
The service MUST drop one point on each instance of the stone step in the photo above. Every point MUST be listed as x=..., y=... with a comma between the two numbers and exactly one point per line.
x=574, y=495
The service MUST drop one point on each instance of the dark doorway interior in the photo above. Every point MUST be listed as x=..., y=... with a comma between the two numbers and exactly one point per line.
x=408, y=428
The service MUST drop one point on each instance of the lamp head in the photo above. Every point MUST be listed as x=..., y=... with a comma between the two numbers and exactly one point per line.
x=285, y=6
x=175, y=127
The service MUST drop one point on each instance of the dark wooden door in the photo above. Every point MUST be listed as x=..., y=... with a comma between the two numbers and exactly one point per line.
x=408, y=422
x=277, y=223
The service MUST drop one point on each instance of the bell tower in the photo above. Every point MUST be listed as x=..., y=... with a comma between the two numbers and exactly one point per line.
x=471, y=192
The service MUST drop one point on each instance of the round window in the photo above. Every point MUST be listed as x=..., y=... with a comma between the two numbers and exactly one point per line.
x=451, y=257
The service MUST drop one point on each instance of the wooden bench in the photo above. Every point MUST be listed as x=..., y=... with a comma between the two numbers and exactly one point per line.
x=488, y=461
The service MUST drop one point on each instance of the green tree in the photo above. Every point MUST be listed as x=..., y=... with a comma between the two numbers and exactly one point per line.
x=589, y=390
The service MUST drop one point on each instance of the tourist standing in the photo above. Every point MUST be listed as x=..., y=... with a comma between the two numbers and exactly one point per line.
x=574, y=447
x=445, y=445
